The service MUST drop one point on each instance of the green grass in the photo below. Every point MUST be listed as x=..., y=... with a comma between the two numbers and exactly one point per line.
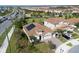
x=5, y=13
x=12, y=43
x=37, y=20
x=69, y=44
x=38, y=48
x=3, y=35
x=43, y=47
x=75, y=35
x=62, y=39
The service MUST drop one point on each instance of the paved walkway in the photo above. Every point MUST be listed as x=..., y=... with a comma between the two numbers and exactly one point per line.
x=5, y=44
x=64, y=48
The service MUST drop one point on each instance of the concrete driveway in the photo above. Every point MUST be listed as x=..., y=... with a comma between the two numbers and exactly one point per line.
x=56, y=41
x=64, y=48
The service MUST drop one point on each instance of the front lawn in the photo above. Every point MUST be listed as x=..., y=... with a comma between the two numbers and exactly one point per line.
x=69, y=44
x=62, y=39
x=43, y=47
x=75, y=35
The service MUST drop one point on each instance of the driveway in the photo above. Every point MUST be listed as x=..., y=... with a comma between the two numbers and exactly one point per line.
x=64, y=48
x=55, y=41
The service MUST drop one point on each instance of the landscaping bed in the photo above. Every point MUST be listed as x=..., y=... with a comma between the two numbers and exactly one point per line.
x=62, y=39
x=69, y=44
x=75, y=35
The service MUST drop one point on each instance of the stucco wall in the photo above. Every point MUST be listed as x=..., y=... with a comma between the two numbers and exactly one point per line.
x=49, y=25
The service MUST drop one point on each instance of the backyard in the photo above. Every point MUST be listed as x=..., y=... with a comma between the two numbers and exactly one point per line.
x=21, y=45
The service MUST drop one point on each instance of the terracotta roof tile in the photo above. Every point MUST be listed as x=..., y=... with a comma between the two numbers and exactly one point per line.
x=55, y=20
x=37, y=27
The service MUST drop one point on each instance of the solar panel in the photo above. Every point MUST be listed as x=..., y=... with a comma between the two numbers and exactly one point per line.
x=30, y=27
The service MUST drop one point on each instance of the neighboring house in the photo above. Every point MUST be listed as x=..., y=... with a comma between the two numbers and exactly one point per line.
x=60, y=23
x=38, y=31
x=54, y=23
x=73, y=20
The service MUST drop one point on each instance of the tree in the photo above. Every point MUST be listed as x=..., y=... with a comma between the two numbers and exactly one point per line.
x=33, y=20
x=18, y=24
x=77, y=24
x=60, y=15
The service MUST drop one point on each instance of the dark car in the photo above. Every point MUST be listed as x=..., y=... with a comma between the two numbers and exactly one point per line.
x=65, y=36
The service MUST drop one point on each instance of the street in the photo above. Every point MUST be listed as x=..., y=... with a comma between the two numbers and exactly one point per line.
x=3, y=26
x=7, y=23
x=5, y=44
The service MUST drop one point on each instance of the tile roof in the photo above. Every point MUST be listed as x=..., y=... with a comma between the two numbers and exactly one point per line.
x=37, y=27
x=63, y=27
x=55, y=20
x=73, y=20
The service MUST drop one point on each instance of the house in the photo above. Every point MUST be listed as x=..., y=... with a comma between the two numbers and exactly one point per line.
x=60, y=23
x=73, y=20
x=37, y=31
x=54, y=23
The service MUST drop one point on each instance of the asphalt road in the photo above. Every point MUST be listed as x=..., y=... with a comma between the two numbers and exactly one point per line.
x=7, y=23
x=5, y=44
x=4, y=25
